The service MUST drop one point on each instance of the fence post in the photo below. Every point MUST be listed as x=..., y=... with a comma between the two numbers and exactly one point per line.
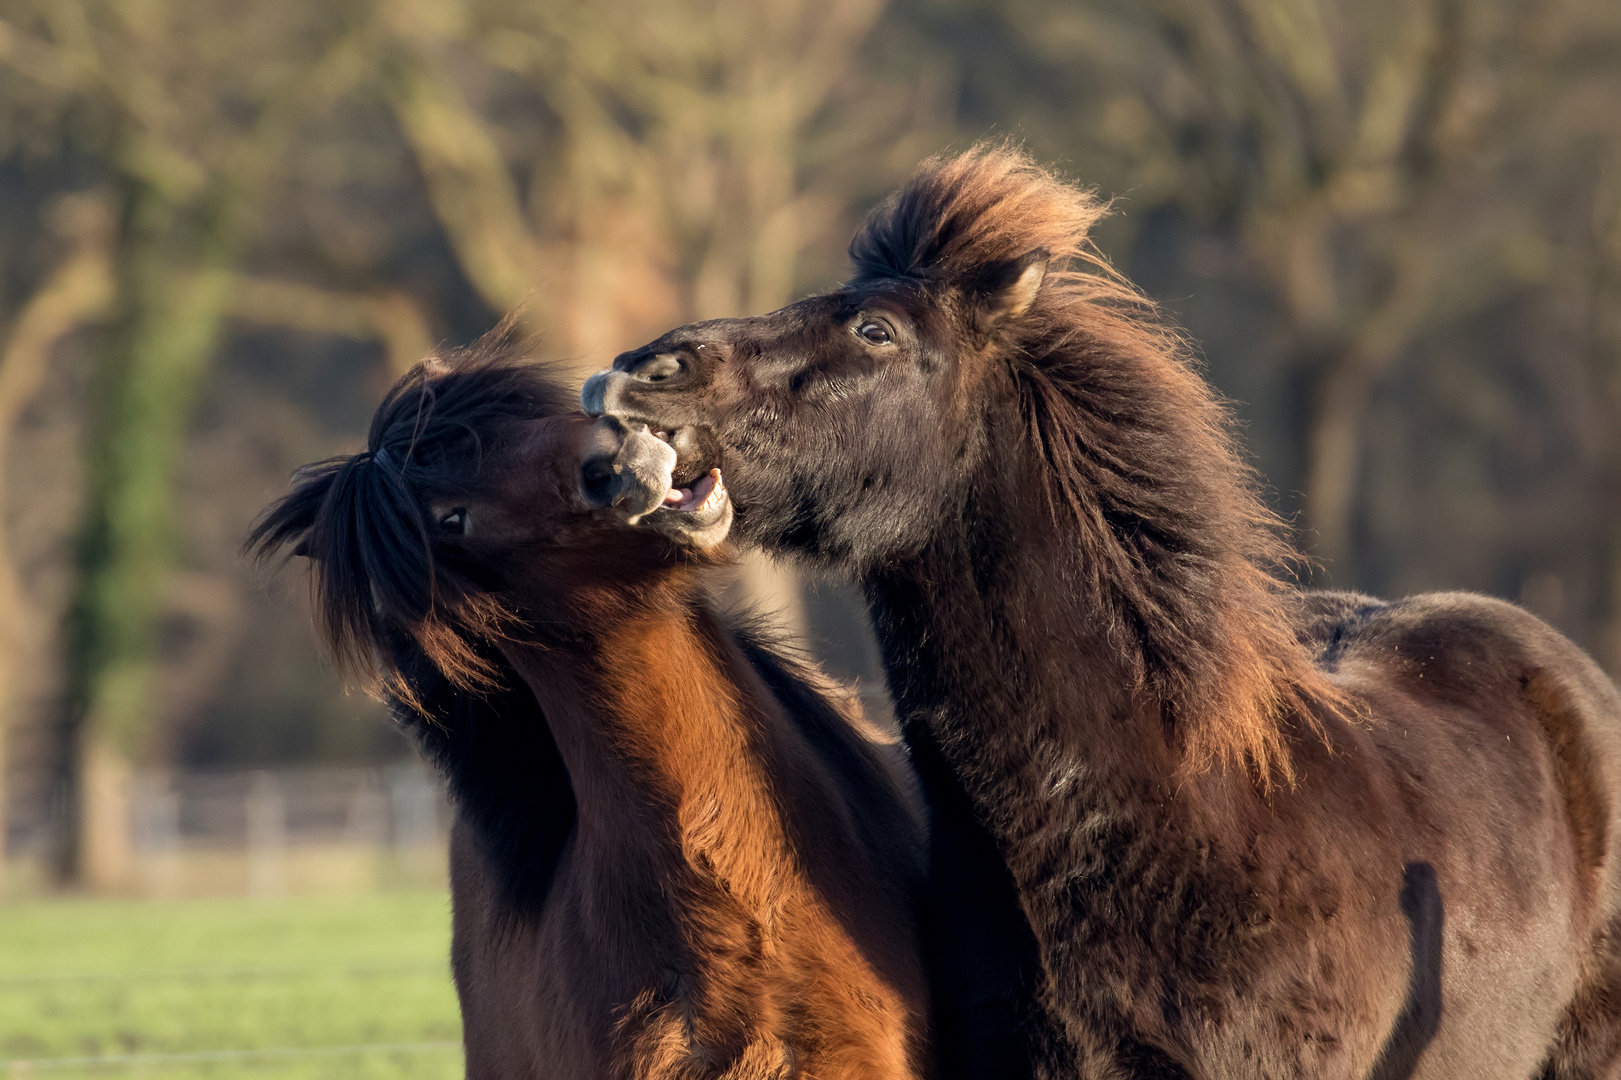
x=367, y=820
x=415, y=802
x=157, y=833
x=267, y=836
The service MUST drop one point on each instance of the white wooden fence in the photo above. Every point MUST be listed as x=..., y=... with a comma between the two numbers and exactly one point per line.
x=272, y=831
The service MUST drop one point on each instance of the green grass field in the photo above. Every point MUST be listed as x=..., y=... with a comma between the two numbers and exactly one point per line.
x=306, y=987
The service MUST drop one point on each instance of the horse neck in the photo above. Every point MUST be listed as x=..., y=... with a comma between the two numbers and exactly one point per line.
x=662, y=727
x=992, y=654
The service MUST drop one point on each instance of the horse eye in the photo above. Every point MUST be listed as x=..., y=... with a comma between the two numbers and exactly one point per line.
x=456, y=522
x=874, y=333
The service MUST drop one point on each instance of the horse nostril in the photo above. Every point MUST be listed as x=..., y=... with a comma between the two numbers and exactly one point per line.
x=658, y=368
x=598, y=481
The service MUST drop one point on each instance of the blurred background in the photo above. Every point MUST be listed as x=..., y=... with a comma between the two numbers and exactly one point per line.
x=1393, y=227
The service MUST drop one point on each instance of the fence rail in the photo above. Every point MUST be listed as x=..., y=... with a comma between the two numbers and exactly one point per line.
x=270, y=831
x=22, y=1067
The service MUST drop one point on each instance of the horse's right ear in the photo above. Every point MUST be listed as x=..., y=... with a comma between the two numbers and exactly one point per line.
x=1004, y=291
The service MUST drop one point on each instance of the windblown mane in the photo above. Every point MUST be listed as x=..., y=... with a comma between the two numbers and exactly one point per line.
x=1171, y=539
x=360, y=519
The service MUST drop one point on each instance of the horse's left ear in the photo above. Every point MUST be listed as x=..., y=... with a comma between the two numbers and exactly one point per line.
x=1005, y=290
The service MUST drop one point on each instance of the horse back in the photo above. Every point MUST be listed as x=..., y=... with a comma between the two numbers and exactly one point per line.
x=1500, y=741
x=1470, y=672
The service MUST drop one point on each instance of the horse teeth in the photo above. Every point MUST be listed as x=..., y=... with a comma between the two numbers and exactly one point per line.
x=680, y=499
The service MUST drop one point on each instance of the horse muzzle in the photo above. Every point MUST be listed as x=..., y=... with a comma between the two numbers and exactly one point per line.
x=625, y=468
x=670, y=481
x=653, y=392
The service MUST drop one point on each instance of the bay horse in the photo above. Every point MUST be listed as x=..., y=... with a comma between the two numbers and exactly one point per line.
x=1189, y=821
x=679, y=852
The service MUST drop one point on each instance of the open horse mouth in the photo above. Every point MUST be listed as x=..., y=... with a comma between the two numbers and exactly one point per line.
x=701, y=499
x=698, y=513
x=669, y=481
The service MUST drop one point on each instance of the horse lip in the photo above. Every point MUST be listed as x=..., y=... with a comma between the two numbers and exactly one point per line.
x=690, y=498
x=703, y=525
x=697, y=454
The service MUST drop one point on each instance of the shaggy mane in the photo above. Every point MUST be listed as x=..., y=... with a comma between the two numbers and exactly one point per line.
x=1140, y=465
x=360, y=520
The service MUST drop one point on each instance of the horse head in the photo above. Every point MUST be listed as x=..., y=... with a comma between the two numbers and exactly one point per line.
x=852, y=423
x=483, y=507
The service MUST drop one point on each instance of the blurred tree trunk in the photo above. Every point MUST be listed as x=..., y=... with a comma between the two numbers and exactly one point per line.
x=390, y=318
x=469, y=183
x=191, y=108
x=1342, y=144
x=174, y=282
x=1344, y=161
x=77, y=291
x=1347, y=381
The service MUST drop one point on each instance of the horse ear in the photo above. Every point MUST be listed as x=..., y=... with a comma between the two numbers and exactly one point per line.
x=1005, y=290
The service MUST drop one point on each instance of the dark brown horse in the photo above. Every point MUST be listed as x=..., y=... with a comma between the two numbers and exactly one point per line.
x=1189, y=822
x=678, y=853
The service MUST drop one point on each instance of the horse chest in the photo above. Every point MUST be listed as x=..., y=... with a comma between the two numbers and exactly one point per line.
x=674, y=1032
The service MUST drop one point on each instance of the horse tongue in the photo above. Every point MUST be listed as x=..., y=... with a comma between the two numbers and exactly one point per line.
x=676, y=496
